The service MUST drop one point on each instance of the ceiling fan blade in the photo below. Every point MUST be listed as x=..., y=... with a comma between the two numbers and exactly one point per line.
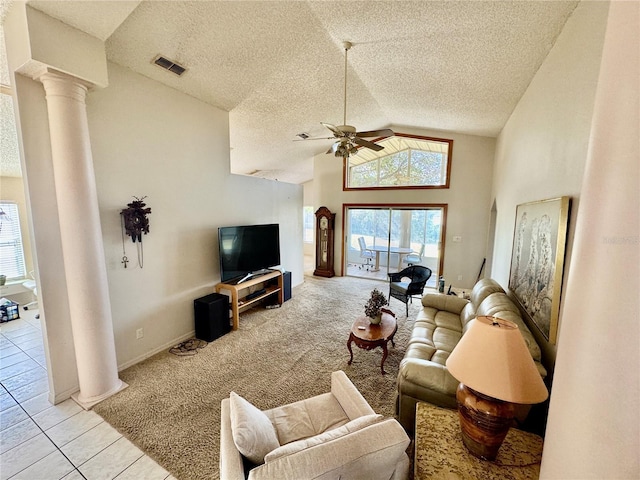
x=334, y=129
x=376, y=133
x=314, y=138
x=368, y=144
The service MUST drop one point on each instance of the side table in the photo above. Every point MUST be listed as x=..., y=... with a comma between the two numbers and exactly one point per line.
x=368, y=336
x=440, y=453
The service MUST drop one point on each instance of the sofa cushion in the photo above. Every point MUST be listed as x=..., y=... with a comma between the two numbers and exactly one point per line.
x=496, y=302
x=449, y=303
x=299, y=445
x=481, y=290
x=253, y=432
x=307, y=418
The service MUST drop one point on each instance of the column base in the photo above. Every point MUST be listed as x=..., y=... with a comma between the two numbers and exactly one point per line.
x=89, y=403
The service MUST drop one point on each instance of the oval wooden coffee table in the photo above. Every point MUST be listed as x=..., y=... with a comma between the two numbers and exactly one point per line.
x=368, y=336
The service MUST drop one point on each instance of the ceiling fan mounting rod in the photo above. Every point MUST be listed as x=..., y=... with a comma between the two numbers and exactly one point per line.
x=347, y=46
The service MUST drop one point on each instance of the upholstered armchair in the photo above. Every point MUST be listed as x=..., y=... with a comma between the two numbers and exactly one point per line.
x=403, y=290
x=329, y=436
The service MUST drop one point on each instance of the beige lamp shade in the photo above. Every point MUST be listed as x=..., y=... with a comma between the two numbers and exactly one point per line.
x=492, y=358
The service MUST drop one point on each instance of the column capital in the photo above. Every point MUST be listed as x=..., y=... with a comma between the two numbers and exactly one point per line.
x=61, y=84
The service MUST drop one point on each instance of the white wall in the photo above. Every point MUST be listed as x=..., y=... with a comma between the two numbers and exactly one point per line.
x=541, y=151
x=150, y=140
x=308, y=199
x=594, y=416
x=468, y=200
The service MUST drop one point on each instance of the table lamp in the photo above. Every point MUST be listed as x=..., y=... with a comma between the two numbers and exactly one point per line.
x=495, y=370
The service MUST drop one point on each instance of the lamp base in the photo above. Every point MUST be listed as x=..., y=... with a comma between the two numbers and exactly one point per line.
x=484, y=421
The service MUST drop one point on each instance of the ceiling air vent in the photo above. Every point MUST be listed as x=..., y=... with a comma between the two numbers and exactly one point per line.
x=169, y=65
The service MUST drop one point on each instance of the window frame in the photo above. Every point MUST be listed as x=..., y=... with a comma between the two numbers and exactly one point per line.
x=345, y=169
x=346, y=228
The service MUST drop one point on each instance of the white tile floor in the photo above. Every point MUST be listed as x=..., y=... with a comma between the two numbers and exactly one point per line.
x=40, y=441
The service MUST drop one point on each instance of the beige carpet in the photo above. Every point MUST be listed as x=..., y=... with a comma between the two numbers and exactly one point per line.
x=171, y=409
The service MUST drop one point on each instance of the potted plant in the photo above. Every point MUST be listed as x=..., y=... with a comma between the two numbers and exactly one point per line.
x=372, y=308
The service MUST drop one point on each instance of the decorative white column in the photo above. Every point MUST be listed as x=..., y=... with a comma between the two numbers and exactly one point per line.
x=81, y=239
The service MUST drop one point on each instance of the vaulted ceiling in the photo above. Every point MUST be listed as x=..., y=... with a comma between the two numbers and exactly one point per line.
x=278, y=66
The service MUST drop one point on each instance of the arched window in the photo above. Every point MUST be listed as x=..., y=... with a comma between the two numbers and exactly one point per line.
x=407, y=161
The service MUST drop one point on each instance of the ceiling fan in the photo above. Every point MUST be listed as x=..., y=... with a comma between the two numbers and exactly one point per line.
x=348, y=137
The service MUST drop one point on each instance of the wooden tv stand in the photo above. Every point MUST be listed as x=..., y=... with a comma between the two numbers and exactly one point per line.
x=240, y=291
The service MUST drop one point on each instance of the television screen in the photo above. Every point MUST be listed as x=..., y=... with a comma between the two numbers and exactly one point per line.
x=248, y=249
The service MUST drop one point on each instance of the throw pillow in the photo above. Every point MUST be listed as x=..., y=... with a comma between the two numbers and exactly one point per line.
x=299, y=445
x=252, y=430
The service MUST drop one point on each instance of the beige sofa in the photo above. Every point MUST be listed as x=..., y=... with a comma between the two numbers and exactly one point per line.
x=330, y=436
x=439, y=326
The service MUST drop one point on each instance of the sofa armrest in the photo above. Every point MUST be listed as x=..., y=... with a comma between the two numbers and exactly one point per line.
x=448, y=303
x=231, y=466
x=426, y=374
x=375, y=452
x=348, y=396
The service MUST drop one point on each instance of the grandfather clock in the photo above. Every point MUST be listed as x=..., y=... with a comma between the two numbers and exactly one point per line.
x=325, y=225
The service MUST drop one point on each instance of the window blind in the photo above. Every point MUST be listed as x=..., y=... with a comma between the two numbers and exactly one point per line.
x=11, y=251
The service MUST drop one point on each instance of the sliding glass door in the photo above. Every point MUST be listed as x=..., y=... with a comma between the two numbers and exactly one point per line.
x=380, y=239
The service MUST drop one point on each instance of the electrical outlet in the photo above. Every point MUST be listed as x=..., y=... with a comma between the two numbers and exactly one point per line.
x=139, y=333
x=459, y=277
x=457, y=238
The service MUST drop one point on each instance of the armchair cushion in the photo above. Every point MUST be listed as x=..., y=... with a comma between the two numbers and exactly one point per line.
x=300, y=445
x=375, y=452
x=253, y=433
x=307, y=418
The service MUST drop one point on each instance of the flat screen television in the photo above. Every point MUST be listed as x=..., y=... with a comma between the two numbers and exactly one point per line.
x=248, y=250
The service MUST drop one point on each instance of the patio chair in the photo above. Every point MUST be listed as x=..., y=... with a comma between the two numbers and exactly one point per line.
x=414, y=257
x=403, y=290
x=365, y=253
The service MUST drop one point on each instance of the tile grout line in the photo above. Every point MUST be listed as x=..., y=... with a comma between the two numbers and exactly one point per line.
x=47, y=436
x=30, y=417
x=58, y=448
x=76, y=468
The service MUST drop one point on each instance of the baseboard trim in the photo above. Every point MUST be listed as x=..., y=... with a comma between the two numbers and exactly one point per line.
x=159, y=349
x=62, y=396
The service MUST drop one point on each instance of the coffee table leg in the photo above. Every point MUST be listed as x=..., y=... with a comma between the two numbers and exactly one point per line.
x=349, y=348
x=385, y=352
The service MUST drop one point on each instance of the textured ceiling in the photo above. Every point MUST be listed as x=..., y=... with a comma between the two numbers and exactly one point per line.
x=278, y=66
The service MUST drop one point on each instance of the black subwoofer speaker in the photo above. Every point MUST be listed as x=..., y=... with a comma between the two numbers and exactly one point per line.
x=286, y=286
x=212, y=316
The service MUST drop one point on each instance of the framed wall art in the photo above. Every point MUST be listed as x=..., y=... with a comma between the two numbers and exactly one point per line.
x=537, y=260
